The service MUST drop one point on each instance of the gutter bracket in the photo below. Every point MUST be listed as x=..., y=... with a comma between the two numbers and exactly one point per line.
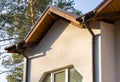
x=86, y=18
x=19, y=48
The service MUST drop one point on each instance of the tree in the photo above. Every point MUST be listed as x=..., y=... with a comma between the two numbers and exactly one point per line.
x=13, y=21
x=14, y=64
x=38, y=6
x=14, y=25
x=67, y=5
x=16, y=19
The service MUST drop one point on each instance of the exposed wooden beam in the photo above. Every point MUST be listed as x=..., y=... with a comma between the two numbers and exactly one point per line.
x=112, y=15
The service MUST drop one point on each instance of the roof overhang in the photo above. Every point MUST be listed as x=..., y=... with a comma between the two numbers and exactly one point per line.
x=38, y=31
x=48, y=18
x=108, y=10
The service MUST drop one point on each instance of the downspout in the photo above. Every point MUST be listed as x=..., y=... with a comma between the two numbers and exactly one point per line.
x=27, y=71
x=19, y=51
x=84, y=19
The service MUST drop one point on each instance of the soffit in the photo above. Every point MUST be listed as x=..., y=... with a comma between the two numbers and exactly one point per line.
x=45, y=22
x=109, y=11
x=48, y=18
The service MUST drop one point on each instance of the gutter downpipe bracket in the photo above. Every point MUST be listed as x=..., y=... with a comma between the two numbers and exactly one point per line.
x=84, y=19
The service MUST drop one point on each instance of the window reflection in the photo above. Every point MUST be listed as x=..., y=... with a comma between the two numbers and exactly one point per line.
x=71, y=74
x=59, y=77
x=74, y=75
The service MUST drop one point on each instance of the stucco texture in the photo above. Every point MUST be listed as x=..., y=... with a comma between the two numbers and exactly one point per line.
x=64, y=45
x=107, y=52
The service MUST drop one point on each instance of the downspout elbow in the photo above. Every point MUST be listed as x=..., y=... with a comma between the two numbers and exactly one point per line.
x=85, y=18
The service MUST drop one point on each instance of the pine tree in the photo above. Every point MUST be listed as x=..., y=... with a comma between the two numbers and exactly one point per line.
x=14, y=64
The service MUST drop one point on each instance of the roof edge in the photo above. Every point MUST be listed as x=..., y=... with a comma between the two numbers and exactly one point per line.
x=56, y=11
x=33, y=27
x=102, y=5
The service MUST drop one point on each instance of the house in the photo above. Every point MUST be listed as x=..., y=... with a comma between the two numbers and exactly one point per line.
x=63, y=47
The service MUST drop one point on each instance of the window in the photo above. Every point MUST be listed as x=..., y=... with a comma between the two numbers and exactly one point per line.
x=66, y=75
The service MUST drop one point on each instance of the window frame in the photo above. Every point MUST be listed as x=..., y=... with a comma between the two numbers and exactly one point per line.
x=66, y=76
x=64, y=70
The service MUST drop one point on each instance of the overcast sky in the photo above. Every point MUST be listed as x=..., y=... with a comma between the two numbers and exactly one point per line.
x=82, y=5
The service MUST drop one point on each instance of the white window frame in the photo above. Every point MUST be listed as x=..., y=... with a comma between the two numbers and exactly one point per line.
x=66, y=75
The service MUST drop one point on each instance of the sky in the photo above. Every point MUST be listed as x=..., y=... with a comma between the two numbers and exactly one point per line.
x=82, y=5
x=86, y=5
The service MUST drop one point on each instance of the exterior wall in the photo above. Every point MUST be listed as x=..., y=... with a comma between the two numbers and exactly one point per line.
x=107, y=53
x=117, y=49
x=64, y=45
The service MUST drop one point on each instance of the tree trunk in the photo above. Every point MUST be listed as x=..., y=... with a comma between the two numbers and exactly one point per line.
x=32, y=12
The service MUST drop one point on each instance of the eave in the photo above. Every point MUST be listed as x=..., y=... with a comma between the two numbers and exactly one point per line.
x=102, y=5
x=108, y=10
x=48, y=18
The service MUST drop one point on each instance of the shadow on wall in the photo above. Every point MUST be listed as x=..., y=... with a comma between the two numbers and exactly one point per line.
x=51, y=36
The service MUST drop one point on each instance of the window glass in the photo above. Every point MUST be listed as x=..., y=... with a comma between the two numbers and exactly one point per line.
x=74, y=76
x=47, y=78
x=59, y=77
x=70, y=75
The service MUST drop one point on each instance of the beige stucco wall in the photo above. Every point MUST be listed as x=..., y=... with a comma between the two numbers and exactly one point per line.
x=117, y=49
x=64, y=45
x=107, y=53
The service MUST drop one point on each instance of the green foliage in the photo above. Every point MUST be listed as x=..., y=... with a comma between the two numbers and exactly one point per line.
x=14, y=65
x=12, y=61
x=65, y=4
x=13, y=20
x=16, y=75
